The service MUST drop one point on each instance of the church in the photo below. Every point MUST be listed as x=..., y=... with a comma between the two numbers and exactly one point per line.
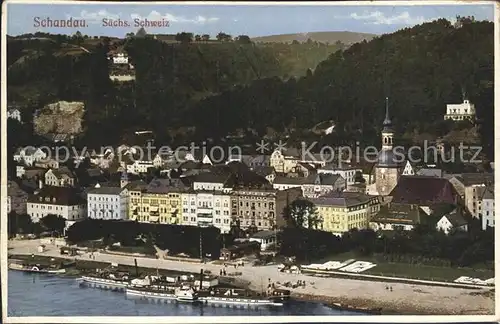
x=388, y=166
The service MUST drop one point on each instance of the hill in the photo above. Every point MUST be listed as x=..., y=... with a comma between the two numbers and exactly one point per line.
x=421, y=69
x=330, y=37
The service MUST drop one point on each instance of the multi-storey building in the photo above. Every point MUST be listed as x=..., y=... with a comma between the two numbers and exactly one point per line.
x=62, y=201
x=158, y=202
x=107, y=203
x=207, y=208
x=341, y=212
x=59, y=178
x=346, y=172
x=488, y=208
x=313, y=186
x=261, y=208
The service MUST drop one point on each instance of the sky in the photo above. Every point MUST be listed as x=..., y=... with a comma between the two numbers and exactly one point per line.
x=251, y=20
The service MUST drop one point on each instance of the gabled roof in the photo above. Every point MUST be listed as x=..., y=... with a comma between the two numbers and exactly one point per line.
x=403, y=214
x=469, y=179
x=210, y=177
x=159, y=185
x=322, y=179
x=340, y=199
x=430, y=172
x=62, y=195
x=489, y=192
x=456, y=219
x=263, y=170
x=422, y=190
x=105, y=190
x=289, y=180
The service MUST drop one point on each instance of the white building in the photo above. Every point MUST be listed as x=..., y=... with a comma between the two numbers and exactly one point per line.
x=348, y=173
x=59, y=178
x=408, y=169
x=14, y=113
x=29, y=155
x=207, y=208
x=140, y=167
x=107, y=203
x=451, y=221
x=267, y=239
x=463, y=111
x=120, y=58
x=209, y=181
x=487, y=213
x=61, y=201
x=313, y=186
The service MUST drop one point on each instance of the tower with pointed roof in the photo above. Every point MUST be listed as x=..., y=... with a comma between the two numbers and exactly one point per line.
x=387, y=170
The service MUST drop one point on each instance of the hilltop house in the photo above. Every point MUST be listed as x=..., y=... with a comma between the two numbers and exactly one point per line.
x=14, y=113
x=29, y=155
x=458, y=112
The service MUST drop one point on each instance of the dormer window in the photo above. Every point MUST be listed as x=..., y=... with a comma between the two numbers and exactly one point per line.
x=54, y=199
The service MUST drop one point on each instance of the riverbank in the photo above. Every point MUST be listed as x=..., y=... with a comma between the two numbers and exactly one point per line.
x=403, y=298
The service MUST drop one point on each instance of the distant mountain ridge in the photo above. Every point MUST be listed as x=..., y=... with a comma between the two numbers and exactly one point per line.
x=331, y=37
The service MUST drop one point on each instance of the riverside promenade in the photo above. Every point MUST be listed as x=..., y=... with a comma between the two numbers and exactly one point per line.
x=404, y=298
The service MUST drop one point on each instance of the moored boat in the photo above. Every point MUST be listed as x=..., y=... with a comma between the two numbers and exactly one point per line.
x=36, y=268
x=106, y=280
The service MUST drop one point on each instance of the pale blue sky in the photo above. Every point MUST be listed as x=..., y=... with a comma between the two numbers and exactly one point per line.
x=251, y=20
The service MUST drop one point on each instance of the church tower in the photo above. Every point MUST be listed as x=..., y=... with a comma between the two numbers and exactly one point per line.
x=387, y=169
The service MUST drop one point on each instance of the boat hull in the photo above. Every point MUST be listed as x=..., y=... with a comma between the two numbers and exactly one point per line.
x=35, y=269
x=101, y=283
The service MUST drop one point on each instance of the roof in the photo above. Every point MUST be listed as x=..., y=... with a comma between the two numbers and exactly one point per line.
x=289, y=180
x=62, y=172
x=322, y=179
x=341, y=199
x=469, y=179
x=395, y=213
x=105, y=191
x=263, y=170
x=430, y=172
x=247, y=179
x=210, y=177
x=62, y=195
x=489, y=192
x=13, y=189
x=455, y=218
x=136, y=185
x=423, y=191
x=264, y=234
x=159, y=185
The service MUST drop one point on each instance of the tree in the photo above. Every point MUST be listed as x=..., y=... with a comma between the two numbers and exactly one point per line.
x=197, y=38
x=302, y=213
x=53, y=223
x=243, y=39
x=223, y=37
x=184, y=37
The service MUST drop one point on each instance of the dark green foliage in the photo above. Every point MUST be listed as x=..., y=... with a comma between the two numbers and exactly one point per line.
x=176, y=238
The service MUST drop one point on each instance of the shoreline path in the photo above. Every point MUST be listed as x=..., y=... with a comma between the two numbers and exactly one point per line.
x=404, y=298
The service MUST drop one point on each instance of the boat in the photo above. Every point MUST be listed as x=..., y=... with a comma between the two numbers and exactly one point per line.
x=106, y=280
x=185, y=293
x=36, y=268
x=241, y=297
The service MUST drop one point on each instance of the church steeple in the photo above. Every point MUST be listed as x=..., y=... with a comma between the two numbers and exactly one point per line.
x=387, y=132
x=387, y=120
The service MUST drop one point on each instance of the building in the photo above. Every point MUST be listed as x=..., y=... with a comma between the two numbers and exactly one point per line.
x=210, y=181
x=120, y=58
x=267, y=239
x=286, y=161
x=487, y=214
x=313, y=186
x=16, y=198
x=317, y=185
x=139, y=166
x=266, y=172
x=387, y=170
x=29, y=155
x=394, y=216
x=424, y=192
x=342, y=212
x=15, y=114
x=62, y=201
x=261, y=208
x=408, y=169
x=207, y=208
x=59, y=178
x=452, y=221
x=430, y=172
x=346, y=172
x=158, y=202
x=463, y=111
x=110, y=203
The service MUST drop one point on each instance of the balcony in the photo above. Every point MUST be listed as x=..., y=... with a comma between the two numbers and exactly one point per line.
x=205, y=218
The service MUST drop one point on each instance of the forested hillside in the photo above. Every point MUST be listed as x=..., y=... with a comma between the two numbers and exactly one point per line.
x=218, y=88
x=420, y=69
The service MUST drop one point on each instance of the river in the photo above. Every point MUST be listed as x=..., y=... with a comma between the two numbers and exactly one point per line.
x=45, y=295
